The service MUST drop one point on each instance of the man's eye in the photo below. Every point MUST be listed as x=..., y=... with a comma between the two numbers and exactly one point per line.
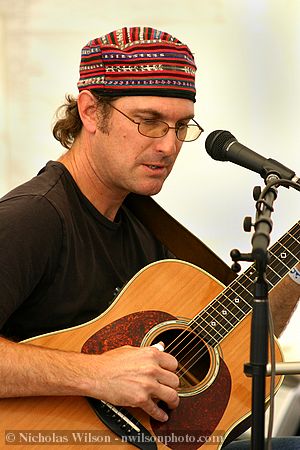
x=151, y=122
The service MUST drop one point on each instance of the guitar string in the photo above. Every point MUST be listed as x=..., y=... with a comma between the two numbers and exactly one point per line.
x=249, y=270
x=192, y=361
x=246, y=276
x=196, y=336
x=202, y=352
x=222, y=306
x=204, y=316
x=217, y=298
x=222, y=294
x=252, y=280
x=205, y=350
x=223, y=327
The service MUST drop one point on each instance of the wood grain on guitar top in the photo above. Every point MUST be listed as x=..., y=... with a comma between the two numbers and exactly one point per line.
x=164, y=291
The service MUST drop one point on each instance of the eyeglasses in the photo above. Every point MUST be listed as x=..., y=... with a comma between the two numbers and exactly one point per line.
x=154, y=128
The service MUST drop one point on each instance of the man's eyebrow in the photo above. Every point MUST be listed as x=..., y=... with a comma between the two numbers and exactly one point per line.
x=158, y=115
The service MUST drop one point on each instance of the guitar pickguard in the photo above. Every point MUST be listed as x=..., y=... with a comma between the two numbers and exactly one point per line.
x=129, y=330
x=197, y=417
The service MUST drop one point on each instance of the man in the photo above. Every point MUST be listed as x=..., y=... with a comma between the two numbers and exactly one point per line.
x=67, y=242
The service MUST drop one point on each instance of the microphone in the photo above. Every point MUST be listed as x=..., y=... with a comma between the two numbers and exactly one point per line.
x=223, y=146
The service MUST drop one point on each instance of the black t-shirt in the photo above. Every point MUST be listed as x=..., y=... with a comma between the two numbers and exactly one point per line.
x=61, y=261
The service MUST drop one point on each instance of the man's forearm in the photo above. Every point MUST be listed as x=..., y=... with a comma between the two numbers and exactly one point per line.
x=126, y=376
x=283, y=300
x=30, y=370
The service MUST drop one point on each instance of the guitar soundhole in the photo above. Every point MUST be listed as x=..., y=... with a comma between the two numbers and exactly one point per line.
x=196, y=360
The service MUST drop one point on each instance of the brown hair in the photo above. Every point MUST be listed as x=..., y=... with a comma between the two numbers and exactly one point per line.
x=68, y=124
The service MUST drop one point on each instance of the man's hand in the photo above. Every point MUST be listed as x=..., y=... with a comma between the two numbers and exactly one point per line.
x=138, y=377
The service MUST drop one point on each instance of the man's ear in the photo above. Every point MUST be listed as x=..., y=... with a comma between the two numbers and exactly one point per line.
x=87, y=108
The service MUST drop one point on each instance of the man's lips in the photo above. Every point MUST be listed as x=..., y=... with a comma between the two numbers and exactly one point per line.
x=155, y=166
x=158, y=167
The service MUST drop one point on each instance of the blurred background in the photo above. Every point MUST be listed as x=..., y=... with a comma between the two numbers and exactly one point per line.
x=248, y=58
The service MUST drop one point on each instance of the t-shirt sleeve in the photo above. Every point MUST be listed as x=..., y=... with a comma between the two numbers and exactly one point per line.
x=30, y=244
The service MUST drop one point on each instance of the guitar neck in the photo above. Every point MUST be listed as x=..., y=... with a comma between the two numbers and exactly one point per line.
x=230, y=307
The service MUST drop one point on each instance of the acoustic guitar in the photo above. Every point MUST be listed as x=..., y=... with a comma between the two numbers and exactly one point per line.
x=204, y=325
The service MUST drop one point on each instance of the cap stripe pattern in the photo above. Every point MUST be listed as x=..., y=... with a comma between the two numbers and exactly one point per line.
x=138, y=61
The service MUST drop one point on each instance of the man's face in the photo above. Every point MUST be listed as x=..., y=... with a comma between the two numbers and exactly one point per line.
x=126, y=161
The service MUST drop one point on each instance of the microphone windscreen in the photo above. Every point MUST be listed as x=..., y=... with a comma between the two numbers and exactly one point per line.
x=215, y=144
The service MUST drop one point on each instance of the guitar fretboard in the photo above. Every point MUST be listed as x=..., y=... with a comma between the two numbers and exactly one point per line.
x=230, y=307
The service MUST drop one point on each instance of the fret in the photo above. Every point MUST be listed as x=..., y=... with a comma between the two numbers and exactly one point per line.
x=223, y=316
x=283, y=257
x=206, y=331
x=250, y=274
x=284, y=253
x=291, y=245
x=272, y=277
x=295, y=231
x=276, y=268
x=291, y=240
x=230, y=307
x=225, y=313
x=213, y=319
x=236, y=291
x=280, y=264
x=231, y=304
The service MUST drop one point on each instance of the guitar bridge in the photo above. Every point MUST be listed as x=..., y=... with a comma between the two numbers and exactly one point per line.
x=123, y=424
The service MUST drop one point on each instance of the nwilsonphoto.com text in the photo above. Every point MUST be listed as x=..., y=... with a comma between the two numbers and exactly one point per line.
x=95, y=437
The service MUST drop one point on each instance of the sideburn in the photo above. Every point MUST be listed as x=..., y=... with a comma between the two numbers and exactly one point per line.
x=104, y=112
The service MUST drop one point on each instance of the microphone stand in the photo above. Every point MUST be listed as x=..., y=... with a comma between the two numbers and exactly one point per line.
x=257, y=367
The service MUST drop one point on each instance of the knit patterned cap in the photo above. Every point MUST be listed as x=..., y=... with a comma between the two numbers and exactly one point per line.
x=138, y=61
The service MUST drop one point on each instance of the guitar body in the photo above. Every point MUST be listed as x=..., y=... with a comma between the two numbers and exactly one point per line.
x=155, y=305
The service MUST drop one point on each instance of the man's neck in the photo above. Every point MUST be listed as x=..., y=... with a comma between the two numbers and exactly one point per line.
x=85, y=176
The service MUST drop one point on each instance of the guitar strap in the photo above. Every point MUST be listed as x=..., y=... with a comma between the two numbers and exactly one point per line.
x=181, y=242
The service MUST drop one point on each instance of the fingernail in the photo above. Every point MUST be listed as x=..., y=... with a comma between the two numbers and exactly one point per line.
x=160, y=346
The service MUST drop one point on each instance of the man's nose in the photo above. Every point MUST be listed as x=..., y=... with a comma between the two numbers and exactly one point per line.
x=169, y=144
